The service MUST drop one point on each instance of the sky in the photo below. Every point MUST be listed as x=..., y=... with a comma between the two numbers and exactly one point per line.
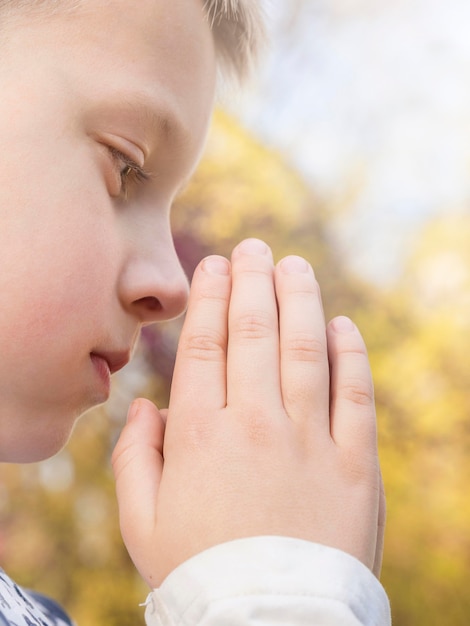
x=370, y=99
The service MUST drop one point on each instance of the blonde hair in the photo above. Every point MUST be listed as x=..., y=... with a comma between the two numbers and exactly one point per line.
x=237, y=26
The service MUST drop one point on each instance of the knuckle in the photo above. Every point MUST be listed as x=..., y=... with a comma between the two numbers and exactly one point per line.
x=259, y=430
x=255, y=266
x=356, y=350
x=255, y=424
x=197, y=436
x=358, y=391
x=203, y=345
x=253, y=325
x=122, y=457
x=295, y=393
x=211, y=293
x=305, y=291
x=305, y=347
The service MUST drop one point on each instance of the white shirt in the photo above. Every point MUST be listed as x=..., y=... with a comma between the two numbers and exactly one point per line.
x=269, y=581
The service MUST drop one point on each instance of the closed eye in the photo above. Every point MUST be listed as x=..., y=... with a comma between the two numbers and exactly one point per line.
x=129, y=171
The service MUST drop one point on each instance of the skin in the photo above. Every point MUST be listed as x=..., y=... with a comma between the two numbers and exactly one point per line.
x=83, y=265
x=259, y=438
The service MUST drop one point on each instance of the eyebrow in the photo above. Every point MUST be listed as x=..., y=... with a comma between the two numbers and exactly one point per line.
x=157, y=118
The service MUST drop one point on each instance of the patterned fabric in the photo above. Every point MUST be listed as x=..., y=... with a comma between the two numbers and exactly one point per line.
x=21, y=608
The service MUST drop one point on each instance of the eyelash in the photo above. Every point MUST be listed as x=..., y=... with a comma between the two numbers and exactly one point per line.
x=131, y=172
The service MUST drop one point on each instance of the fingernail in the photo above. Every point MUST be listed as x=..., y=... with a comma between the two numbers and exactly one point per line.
x=216, y=265
x=294, y=265
x=343, y=324
x=253, y=246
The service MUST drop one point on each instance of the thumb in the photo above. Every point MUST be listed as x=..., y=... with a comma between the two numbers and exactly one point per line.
x=137, y=464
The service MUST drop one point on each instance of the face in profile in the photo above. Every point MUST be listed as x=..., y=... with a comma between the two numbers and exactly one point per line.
x=103, y=117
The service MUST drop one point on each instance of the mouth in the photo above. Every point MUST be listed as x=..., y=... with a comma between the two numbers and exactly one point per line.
x=113, y=360
x=105, y=364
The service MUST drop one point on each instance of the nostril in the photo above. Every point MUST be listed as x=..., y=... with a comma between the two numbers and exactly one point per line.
x=150, y=303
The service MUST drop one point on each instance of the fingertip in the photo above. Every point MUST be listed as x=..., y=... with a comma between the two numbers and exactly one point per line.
x=252, y=246
x=344, y=337
x=217, y=265
x=294, y=265
x=342, y=325
x=133, y=411
x=137, y=406
x=145, y=427
x=144, y=420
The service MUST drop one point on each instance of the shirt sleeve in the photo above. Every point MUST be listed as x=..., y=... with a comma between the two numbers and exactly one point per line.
x=269, y=581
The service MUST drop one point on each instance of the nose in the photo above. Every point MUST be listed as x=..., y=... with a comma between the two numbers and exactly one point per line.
x=153, y=286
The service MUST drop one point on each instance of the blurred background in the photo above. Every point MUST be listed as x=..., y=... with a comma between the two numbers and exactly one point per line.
x=351, y=146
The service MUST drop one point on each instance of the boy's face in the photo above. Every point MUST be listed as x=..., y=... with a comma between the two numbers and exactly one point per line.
x=86, y=255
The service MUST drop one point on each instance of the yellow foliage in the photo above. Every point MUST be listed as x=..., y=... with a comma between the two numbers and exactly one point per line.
x=242, y=183
x=422, y=379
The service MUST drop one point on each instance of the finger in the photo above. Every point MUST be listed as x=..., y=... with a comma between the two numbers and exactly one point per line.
x=199, y=379
x=380, y=531
x=352, y=409
x=137, y=464
x=304, y=357
x=253, y=350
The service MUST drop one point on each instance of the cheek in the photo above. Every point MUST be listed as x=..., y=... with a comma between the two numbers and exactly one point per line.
x=61, y=300
x=59, y=269
x=54, y=319
x=59, y=247
x=76, y=279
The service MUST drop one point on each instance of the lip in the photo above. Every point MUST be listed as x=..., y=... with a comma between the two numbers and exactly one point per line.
x=106, y=363
x=102, y=369
x=114, y=361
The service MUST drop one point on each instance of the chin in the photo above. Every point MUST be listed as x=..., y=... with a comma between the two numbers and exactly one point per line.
x=33, y=452
x=33, y=444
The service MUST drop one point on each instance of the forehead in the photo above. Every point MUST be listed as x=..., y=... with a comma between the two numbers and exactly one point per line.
x=155, y=56
x=158, y=48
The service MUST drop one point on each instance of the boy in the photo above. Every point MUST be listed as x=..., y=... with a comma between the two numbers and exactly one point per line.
x=229, y=499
